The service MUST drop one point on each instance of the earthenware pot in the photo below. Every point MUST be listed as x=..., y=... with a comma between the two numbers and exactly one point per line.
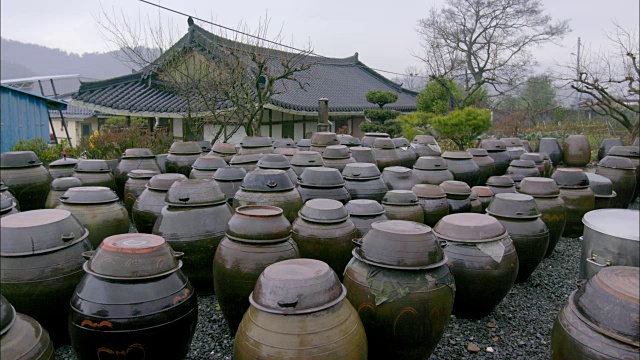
x=62, y=167
x=399, y=178
x=269, y=187
x=485, y=196
x=621, y=172
x=369, y=138
x=320, y=140
x=284, y=143
x=22, y=337
x=348, y=140
x=632, y=153
x=229, y=180
x=577, y=196
x=515, y=147
x=425, y=145
x=363, y=154
x=4, y=190
x=324, y=183
x=26, y=178
x=303, y=144
x=485, y=164
x=405, y=151
x=548, y=165
x=522, y=169
x=337, y=156
x=537, y=159
x=363, y=213
x=501, y=184
x=576, y=151
x=205, y=166
x=288, y=152
x=161, y=160
x=181, y=157
x=7, y=206
x=552, y=148
x=250, y=145
x=476, y=205
x=247, y=162
x=498, y=152
x=432, y=170
x=403, y=205
x=223, y=150
x=95, y=173
x=602, y=189
x=458, y=194
x=606, y=145
x=462, y=166
x=149, y=204
x=385, y=153
x=305, y=159
x=433, y=201
x=133, y=159
x=134, y=187
x=363, y=181
x=58, y=187
x=278, y=162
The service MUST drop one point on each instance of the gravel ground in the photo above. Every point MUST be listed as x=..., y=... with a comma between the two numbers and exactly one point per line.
x=519, y=328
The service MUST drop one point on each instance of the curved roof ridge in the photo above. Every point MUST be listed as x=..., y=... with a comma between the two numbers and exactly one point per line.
x=92, y=85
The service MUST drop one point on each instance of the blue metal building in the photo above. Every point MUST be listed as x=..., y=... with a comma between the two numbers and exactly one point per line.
x=24, y=116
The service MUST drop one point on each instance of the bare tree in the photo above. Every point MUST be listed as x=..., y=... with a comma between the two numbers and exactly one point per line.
x=413, y=78
x=481, y=43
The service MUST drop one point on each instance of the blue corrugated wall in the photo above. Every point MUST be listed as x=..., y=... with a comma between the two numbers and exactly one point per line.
x=22, y=117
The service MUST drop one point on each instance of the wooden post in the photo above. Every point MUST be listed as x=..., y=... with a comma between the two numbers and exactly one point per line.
x=323, y=114
x=270, y=123
x=304, y=126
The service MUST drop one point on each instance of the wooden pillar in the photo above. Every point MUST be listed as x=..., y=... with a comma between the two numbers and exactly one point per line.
x=151, y=122
x=128, y=121
x=271, y=123
x=351, y=127
x=304, y=126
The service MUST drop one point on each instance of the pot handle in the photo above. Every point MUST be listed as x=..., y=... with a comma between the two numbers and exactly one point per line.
x=271, y=184
x=178, y=254
x=355, y=174
x=88, y=254
x=592, y=261
x=443, y=243
x=357, y=242
x=185, y=199
x=67, y=237
x=288, y=303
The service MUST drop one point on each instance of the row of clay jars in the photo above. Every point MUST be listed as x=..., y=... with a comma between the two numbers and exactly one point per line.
x=399, y=178
x=363, y=213
x=621, y=172
x=432, y=170
x=433, y=201
x=58, y=187
x=402, y=205
x=26, y=178
x=577, y=196
x=149, y=204
x=364, y=181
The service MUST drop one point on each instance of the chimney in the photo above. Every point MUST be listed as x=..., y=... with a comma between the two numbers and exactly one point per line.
x=323, y=114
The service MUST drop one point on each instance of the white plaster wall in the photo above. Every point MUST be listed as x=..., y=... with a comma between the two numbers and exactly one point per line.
x=239, y=135
x=177, y=128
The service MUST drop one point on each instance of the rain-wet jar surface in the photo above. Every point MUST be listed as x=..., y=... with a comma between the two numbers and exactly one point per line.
x=363, y=213
x=22, y=172
x=578, y=198
x=458, y=194
x=403, y=205
x=433, y=201
x=58, y=187
x=135, y=185
x=132, y=159
x=364, y=181
x=621, y=172
x=21, y=336
x=149, y=204
x=95, y=173
x=181, y=157
x=432, y=170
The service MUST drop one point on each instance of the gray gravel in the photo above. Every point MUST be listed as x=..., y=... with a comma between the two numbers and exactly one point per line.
x=519, y=328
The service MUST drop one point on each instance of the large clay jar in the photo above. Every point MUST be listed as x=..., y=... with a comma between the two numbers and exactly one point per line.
x=303, y=144
x=483, y=261
x=133, y=302
x=485, y=164
x=433, y=201
x=205, y=166
x=403, y=205
x=363, y=213
x=21, y=336
x=485, y=196
x=205, y=147
x=348, y=140
x=363, y=154
x=255, y=145
x=425, y=145
x=181, y=157
x=41, y=253
x=247, y=162
x=462, y=166
x=515, y=147
x=269, y=187
x=62, y=167
x=305, y=159
x=299, y=311
x=4, y=190
x=7, y=206
x=621, y=172
x=548, y=165
x=26, y=178
x=58, y=187
x=98, y=209
x=337, y=156
x=133, y=159
x=576, y=151
x=458, y=194
x=323, y=231
x=577, y=196
x=135, y=185
x=537, y=159
x=363, y=181
x=149, y=204
x=288, y=152
x=522, y=168
x=520, y=216
x=320, y=140
x=606, y=145
x=399, y=178
x=223, y=150
x=322, y=183
x=406, y=324
x=602, y=190
x=193, y=222
x=632, y=153
x=600, y=319
x=527, y=145
x=551, y=146
x=278, y=162
x=476, y=205
x=369, y=138
x=497, y=150
x=94, y=173
x=385, y=153
x=256, y=237
x=501, y=184
x=229, y=180
x=432, y=170
x=546, y=194
x=405, y=151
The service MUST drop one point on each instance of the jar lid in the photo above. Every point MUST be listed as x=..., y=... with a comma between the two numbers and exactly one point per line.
x=512, y=142
x=7, y=315
x=619, y=223
x=6, y=203
x=307, y=158
x=397, y=171
x=137, y=153
x=539, y=187
x=205, y=146
x=514, y=206
x=478, y=152
x=348, y=140
x=400, y=244
x=162, y=182
x=401, y=142
x=18, y=159
x=383, y=143
x=289, y=152
x=364, y=207
x=284, y=143
x=267, y=180
x=142, y=174
x=336, y=152
x=324, y=138
x=428, y=191
x=64, y=162
x=256, y=142
x=454, y=187
x=193, y=193
x=469, y=227
x=570, y=178
x=258, y=224
x=483, y=191
x=223, y=148
x=424, y=140
x=400, y=197
x=321, y=177
x=185, y=148
x=89, y=195
x=326, y=211
x=209, y=163
x=230, y=174
x=303, y=143
x=360, y=171
x=523, y=163
x=377, y=135
x=245, y=159
x=601, y=186
x=456, y=155
x=430, y=163
x=3, y=187
x=132, y=257
x=616, y=162
x=500, y=181
x=493, y=145
x=38, y=231
x=535, y=157
x=274, y=161
x=297, y=286
x=65, y=183
x=92, y=165
x=626, y=151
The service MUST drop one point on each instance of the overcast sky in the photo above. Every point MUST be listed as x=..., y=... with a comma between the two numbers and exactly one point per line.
x=382, y=32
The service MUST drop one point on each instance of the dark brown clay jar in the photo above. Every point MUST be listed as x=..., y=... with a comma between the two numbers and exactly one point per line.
x=432, y=170
x=161, y=160
x=133, y=159
x=323, y=231
x=22, y=336
x=548, y=165
x=149, y=204
x=133, y=300
x=606, y=145
x=433, y=201
x=599, y=320
x=181, y=157
x=537, y=159
x=501, y=184
x=322, y=183
x=522, y=169
x=402, y=205
x=552, y=147
x=363, y=154
x=577, y=196
x=515, y=147
x=278, y=162
x=337, y=157
x=193, y=223
x=407, y=324
x=205, y=166
x=485, y=163
x=229, y=179
x=519, y=214
x=476, y=205
x=26, y=178
x=602, y=190
x=303, y=144
x=256, y=237
x=384, y=151
x=58, y=187
x=485, y=196
x=462, y=166
x=497, y=150
x=399, y=178
x=320, y=140
x=250, y=145
x=4, y=190
x=369, y=138
x=458, y=194
x=425, y=145
x=348, y=140
x=284, y=143
x=363, y=213
x=62, y=167
x=247, y=162
x=305, y=159
x=42, y=251
x=363, y=181
x=223, y=150
x=95, y=173
x=405, y=151
x=621, y=172
x=632, y=153
x=482, y=259
x=299, y=311
x=576, y=151
x=546, y=194
x=135, y=185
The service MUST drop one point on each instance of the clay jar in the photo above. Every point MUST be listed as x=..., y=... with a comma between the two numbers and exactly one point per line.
x=205, y=147
x=269, y=187
x=348, y=140
x=403, y=205
x=41, y=251
x=483, y=261
x=288, y=152
x=433, y=201
x=4, y=190
x=551, y=147
x=58, y=187
x=150, y=203
x=458, y=194
x=7, y=206
x=363, y=154
x=251, y=145
x=538, y=160
x=324, y=183
x=135, y=185
x=303, y=144
x=515, y=147
x=602, y=190
x=369, y=138
x=323, y=231
x=606, y=145
x=476, y=205
x=405, y=255
x=462, y=167
x=305, y=159
x=193, y=222
x=632, y=153
x=337, y=156
x=485, y=164
x=399, y=178
x=284, y=143
x=229, y=179
x=363, y=213
x=247, y=162
x=322, y=139
x=546, y=194
x=22, y=337
x=600, y=319
x=577, y=196
x=405, y=151
x=278, y=162
x=62, y=167
x=520, y=216
x=205, y=166
x=363, y=181
x=485, y=196
x=133, y=300
x=425, y=145
x=497, y=150
x=98, y=209
x=432, y=170
x=26, y=178
x=385, y=153
x=256, y=237
x=522, y=169
x=621, y=172
x=223, y=150
x=132, y=159
x=299, y=311
x=501, y=184
x=181, y=157
x=576, y=151
x=94, y=173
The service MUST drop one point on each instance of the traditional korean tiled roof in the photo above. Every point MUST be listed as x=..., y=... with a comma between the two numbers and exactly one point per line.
x=344, y=81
